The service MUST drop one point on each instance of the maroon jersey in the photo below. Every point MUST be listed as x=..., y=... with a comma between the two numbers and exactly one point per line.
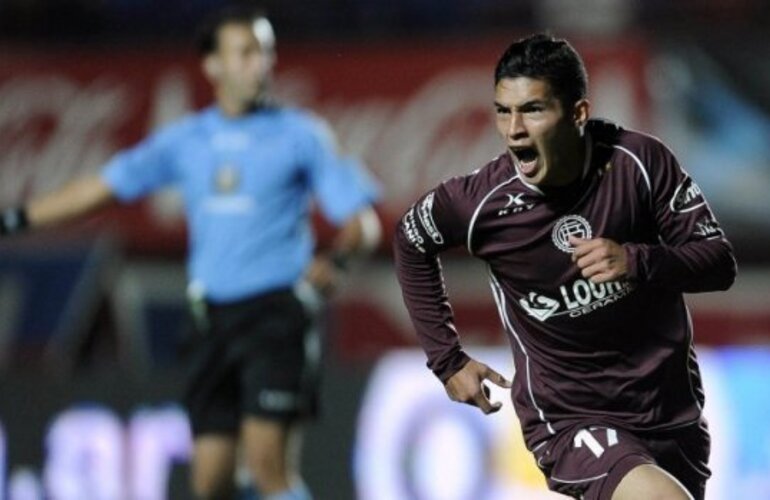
x=619, y=352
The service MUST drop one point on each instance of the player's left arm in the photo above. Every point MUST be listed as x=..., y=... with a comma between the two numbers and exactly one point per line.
x=692, y=255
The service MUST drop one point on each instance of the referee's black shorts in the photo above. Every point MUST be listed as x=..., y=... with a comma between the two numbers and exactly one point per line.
x=258, y=356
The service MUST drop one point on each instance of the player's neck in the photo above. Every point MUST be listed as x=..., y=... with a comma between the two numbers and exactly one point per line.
x=579, y=157
x=574, y=164
x=570, y=182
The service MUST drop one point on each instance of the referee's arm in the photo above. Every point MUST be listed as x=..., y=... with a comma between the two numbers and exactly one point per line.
x=75, y=199
x=358, y=235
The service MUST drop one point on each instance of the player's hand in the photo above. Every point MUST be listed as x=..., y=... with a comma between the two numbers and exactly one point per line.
x=467, y=386
x=599, y=259
x=322, y=274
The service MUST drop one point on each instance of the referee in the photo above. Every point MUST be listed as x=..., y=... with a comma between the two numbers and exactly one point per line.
x=248, y=170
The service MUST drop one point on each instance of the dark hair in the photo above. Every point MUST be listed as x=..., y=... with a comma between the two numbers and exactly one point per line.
x=208, y=32
x=544, y=57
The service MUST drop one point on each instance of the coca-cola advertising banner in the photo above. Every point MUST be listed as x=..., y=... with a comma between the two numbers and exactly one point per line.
x=416, y=112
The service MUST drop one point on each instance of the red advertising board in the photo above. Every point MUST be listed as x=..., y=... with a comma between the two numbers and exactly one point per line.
x=417, y=112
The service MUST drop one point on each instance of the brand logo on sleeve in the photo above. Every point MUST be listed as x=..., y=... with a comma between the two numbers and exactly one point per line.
x=425, y=214
x=409, y=224
x=708, y=227
x=687, y=197
x=570, y=225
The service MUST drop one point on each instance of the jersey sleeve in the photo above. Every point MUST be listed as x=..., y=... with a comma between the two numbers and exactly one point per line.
x=693, y=254
x=341, y=184
x=430, y=226
x=141, y=169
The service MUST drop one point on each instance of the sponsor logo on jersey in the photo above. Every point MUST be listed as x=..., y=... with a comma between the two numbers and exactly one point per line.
x=539, y=306
x=515, y=204
x=584, y=296
x=425, y=214
x=409, y=224
x=687, y=197
x=570, y=225
x=708, y=227
x=578, y=298
x=515, y=200
x=226, y=179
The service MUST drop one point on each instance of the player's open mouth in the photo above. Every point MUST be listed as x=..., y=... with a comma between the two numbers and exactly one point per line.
x=527, y=157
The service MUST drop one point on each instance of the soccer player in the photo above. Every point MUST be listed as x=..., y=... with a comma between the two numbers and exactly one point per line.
x=248, y=170
x=591, y=234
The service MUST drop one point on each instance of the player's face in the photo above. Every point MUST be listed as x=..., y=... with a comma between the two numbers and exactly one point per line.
x=241, y=67
x=544, y=139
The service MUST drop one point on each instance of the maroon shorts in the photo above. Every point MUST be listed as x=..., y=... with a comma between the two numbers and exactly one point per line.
x=588, y=461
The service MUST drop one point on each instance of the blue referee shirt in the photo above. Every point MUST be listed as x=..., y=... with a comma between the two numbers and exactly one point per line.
x=247, y=184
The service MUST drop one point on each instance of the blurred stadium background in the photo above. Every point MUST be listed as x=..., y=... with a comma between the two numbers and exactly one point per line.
x=92, y=323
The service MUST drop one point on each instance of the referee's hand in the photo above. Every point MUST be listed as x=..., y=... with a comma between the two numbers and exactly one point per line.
x=467, y=386
x=322, y=274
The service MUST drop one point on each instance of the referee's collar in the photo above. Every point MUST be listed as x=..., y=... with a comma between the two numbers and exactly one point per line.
x=267, y=104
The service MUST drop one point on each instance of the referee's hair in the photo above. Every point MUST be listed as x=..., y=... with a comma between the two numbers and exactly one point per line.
x=207, y=37
x=544, y=57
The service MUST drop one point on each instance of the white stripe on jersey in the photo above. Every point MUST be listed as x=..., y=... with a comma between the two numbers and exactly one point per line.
x=575, y=481
x=478, y=210
x=500, y=300
x=638, y=163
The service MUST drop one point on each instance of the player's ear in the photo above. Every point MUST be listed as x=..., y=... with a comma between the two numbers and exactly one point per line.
x=581, y=112
x=212, y=67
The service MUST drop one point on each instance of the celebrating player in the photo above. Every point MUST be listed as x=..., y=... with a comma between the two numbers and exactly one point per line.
x=591, y=234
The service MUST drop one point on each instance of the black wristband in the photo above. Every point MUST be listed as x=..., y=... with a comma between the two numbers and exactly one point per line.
x=13, y=220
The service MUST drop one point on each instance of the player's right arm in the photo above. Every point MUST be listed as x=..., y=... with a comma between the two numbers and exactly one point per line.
x=436, y=222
